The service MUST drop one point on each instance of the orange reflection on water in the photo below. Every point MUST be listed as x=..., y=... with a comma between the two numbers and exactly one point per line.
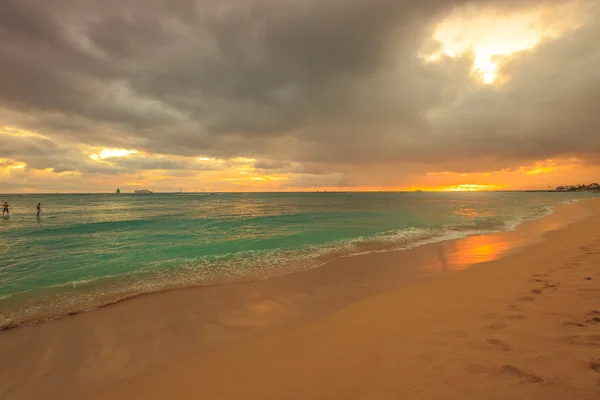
x=471, y=212
x=460, y=254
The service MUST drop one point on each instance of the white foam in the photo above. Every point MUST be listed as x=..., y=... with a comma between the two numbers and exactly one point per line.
x=81, y=282
x=570, y=201
x=6, y=296
x=232, y=267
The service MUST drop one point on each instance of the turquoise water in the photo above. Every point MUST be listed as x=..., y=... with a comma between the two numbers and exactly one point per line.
x=90, y=250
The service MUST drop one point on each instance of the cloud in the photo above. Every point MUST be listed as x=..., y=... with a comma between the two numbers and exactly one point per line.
x=315, y=89
x=544, y=110
x=271, y=164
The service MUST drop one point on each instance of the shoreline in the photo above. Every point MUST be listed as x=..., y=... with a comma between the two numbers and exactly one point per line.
x=105, y=347
x=523, y=326
x=109, y=298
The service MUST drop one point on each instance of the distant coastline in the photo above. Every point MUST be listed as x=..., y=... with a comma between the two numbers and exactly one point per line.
x=559, y=189
x=592, y=187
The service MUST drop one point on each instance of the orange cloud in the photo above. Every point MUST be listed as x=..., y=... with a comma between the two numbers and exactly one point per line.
x=490, y=33
x=552, y=165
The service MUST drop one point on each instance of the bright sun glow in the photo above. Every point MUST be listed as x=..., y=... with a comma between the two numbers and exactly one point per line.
x=539, y=170
x=455, y=188
x=109, y=153
x=8, y=166
x=245, y=159
x=490, y=35
x=470, y=188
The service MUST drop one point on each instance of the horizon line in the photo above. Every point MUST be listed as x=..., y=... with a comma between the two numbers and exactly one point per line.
x=300, y=191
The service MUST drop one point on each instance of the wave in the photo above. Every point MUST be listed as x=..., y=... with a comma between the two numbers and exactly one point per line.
x=55, y=301
x=571, y=201
x=68, y=298
x=6, y=296
x=513, y=224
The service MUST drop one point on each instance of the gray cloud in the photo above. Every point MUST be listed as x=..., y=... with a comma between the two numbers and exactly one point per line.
x=271, y=165
x=303, y=86
x=545, y=110
x=143, y=162
x=39, y=153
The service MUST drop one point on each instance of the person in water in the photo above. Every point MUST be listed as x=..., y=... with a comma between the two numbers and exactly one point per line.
x=38, y=210
x=5, y=209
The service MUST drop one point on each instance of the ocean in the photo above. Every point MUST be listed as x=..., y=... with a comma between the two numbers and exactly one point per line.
x=87, y=251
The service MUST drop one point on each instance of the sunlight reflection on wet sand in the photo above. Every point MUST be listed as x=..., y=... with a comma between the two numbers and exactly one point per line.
x=460, y=254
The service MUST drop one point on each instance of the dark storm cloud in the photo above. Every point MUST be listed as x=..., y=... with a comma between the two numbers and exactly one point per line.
x=322, y=85
x=39, y=153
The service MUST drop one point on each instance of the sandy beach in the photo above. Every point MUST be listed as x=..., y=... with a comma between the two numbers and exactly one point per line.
x=523, y=323
x=300, y=200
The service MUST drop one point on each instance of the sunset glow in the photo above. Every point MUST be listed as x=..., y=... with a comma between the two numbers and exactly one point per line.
x=456, y=188
x=109, y=153
x=490, y=34
x=8, y=166
x=553, y=165
x=470, y=188
x=454, y=97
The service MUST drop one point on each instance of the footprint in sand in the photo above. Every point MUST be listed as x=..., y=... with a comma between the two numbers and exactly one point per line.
x=547, y=285
x=550, y=285
x=526, y=299
x=583, y=340
x=516, y=317
x=521, y=375
x=587, y=250
x=595, y=365
x=573, y=263
x=498, y=343
x=570, y=323
x=497, y=326
x=593, y=317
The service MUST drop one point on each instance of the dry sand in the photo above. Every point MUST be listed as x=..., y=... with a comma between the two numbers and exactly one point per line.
x=526, y=326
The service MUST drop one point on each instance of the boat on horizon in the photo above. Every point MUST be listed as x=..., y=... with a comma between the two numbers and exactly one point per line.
x=143, y=191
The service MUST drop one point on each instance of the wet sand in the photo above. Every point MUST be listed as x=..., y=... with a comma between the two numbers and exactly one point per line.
x=379, y=326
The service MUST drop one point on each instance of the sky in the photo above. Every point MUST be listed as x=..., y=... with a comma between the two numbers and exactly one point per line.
x=298, y=95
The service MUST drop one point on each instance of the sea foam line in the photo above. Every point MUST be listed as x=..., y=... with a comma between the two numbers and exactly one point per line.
x=232, y=268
